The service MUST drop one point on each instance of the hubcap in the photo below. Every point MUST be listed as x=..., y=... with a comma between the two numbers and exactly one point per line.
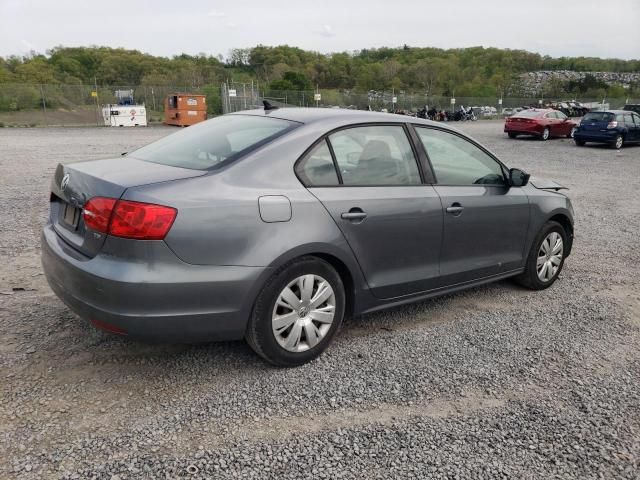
x=573, y=132
x=618, y=142
x=545, y=133
x=549, y=257
x=303, y=313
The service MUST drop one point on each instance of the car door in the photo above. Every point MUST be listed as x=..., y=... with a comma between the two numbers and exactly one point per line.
x=551, y=121
x=563, y=126
x=391, y=219
x=485, y=220
x=632, y=122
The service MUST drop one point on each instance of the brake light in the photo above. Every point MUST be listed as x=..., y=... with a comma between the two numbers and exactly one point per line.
x=127, y=219
x=612, y=124
x=143, y=221
x=97, y=213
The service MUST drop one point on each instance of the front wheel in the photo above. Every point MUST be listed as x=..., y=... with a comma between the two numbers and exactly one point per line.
x=546, y=257
x=512, y=135
x=572, y=132
x=298, y=312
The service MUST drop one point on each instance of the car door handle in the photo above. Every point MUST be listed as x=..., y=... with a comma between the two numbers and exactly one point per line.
x=354, y=214
x=455, y=209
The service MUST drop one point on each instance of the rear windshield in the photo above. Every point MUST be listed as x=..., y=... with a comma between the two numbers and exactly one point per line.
x=207, y=145
x=598, y=117
x=529, y=113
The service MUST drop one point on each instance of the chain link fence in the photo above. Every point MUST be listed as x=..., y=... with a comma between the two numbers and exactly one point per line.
x=71, y=105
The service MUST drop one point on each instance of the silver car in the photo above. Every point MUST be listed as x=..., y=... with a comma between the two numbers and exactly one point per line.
x=273, y=225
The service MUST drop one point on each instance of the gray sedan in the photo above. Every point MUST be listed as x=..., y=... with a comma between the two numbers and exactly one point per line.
x=273, y=225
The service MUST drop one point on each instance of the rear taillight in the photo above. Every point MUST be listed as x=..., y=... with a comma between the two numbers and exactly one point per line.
x=97, y=213
x=127, y=219
x=612, y=124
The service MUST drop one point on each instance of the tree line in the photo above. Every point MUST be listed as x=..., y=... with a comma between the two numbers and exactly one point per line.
x=472, y=72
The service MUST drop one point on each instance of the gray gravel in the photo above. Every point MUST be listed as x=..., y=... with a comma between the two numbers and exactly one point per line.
x=495, y=382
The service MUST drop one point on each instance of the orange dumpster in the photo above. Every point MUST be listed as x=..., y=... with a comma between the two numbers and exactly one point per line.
x=184, y=109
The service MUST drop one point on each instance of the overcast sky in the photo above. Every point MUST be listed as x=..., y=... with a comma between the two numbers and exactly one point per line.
x=168, y=27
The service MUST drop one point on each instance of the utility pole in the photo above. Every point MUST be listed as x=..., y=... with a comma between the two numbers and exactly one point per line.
x=44, y=105
x=95, y=83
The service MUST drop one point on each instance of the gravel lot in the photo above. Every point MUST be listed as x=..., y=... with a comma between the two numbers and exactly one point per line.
x=495, y=382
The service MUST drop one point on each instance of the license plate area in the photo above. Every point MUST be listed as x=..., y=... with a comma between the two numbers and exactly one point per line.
x=71, y=216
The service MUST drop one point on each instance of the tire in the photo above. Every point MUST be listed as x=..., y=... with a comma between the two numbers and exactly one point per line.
x=276, y=342
x=579, y=143
x=618, y=142
x=531, y=277
x=512, y=134
x=546, y=133
x=572, y=132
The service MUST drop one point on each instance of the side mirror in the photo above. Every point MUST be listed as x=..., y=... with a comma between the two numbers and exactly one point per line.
x=518, y=178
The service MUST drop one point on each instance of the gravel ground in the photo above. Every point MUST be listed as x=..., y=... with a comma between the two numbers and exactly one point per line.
x=494, y=382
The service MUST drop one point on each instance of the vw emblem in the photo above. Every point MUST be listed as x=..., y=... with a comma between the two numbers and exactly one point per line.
x=64, y=182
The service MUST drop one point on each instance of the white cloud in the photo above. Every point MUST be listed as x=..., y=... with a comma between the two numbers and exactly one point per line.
x=327, y=31
x=216, y=14
x=29, y=46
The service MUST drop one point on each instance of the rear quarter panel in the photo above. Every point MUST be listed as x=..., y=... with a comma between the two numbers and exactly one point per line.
x=219, y=222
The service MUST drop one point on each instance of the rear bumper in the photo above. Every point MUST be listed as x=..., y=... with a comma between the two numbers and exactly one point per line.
x=525, y=129
x=608, y=136
x=154, y=297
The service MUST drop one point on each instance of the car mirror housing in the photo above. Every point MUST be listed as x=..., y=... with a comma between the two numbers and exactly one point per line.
x=518, y=178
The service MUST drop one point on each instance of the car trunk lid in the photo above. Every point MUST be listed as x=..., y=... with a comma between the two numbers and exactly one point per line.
x=73, y=185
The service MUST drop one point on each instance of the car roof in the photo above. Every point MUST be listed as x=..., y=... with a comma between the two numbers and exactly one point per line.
x=336, y=115
x=609, y=111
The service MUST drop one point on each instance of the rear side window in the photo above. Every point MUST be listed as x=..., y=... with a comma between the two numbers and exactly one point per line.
x=375, y=155
x=317, y=169
x=208, y=144
x=529, y=113
x=457, y=161
x=598, y=117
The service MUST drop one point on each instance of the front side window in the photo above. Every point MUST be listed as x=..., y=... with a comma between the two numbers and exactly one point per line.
x=208, y=144
x=457, y=161
x=317, y=169
x=375, y=155
x=561, y=115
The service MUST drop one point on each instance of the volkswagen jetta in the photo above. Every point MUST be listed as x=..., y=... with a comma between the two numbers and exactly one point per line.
x=273, y=225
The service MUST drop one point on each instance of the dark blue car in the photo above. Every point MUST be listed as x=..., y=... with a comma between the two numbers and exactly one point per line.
x=615, y=127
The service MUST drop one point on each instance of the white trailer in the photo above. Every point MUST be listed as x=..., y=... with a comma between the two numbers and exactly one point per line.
x=124, y=115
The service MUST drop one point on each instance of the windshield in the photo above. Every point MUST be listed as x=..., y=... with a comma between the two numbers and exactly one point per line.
x=598, y=117
x=208, y=144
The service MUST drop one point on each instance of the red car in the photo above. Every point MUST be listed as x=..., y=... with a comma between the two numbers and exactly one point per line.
x=543, y=123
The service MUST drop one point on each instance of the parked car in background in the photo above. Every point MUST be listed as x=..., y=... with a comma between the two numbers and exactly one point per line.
x=577, y=109
x=542, y=123
x=272, y=225
x=507, y=112
x=632, y=107
x=614, y=127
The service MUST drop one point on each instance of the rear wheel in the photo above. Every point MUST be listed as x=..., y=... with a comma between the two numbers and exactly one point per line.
x=512, y=134
x=618, y=142
x=545, y=134
x=546, y=257
x=572, y=132
x=579, y=143
x=297, y=313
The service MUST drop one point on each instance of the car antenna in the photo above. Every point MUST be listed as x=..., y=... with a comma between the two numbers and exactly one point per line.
x=268, y=106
